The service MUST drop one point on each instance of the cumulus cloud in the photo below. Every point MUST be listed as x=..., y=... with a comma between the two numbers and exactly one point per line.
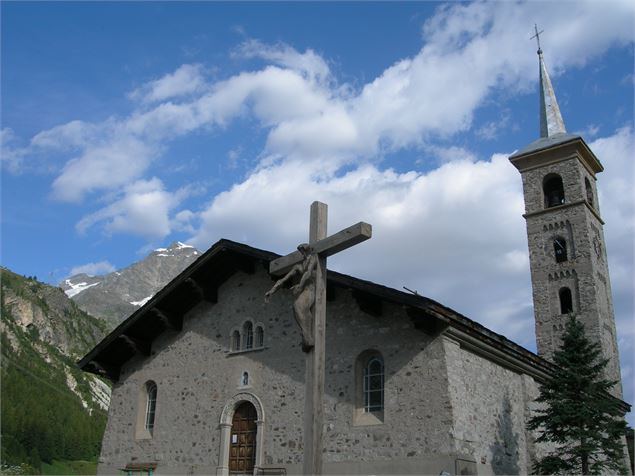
x=308, y=63
x=143, y=210
x=615, y=189
x=468, y=51
x=187, y=79
x=438, y=232
x=93, y=269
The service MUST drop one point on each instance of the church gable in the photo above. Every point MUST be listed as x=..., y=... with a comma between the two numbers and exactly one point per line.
x=200, y=283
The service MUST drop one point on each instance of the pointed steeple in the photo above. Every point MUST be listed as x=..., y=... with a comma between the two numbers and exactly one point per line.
x=551, y=122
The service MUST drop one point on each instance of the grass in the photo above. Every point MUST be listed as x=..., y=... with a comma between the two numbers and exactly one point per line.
x=70, y=467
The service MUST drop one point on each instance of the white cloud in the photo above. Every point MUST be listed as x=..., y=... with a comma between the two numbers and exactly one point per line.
x=93, y=269
x=11, y=156
x=469, y=51
x=144, y=210
x=185, y=80
x=103, y=166
x=308, y=63
x=615, y=188
x=439, y=232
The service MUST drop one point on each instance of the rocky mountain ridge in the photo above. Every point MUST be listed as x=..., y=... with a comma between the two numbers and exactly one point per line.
x=116, y=295
x=41, y=321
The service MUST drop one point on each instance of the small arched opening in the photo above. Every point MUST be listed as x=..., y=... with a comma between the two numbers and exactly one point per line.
x=566, y=301
x=589, y=192
x=260, y=336
x=553, y=190
x=248, y=335
x=236, y=340
x=560, y=249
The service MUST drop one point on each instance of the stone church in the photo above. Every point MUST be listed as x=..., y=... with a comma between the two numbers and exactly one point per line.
x=208, y=379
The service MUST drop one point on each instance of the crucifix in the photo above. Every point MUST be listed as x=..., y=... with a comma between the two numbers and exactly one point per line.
x=308, y=264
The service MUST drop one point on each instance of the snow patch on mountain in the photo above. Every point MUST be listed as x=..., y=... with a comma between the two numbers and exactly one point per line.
x=142, y=302
x=76, y=288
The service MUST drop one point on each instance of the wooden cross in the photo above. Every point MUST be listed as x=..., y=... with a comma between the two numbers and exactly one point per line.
x=537, y=36
x=323, y=247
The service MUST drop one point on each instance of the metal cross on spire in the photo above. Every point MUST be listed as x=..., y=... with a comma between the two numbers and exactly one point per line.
x=537, y=37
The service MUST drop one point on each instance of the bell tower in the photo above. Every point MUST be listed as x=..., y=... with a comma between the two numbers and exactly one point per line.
x=567, y=252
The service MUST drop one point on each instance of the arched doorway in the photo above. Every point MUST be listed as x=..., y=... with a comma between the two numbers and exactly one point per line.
x=237, y=416
x=242, y=444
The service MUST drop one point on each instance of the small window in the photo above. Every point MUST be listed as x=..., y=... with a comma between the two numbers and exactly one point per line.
x=260, y=336
x=248, y=335
x=553, y=190
x=236, y=341
x=151, y=405
x=566, y=301
x=560, y=249
x=589, y=191
x=374, y=385
x=244, y=381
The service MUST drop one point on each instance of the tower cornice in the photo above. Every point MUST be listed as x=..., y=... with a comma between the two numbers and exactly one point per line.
x=553, y=150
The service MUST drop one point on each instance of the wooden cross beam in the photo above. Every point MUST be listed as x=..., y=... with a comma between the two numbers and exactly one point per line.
x=325, y=247
x=537, y=36
x=322, y=247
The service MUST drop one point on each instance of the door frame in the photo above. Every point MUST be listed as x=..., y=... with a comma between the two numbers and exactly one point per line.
x=225, y=428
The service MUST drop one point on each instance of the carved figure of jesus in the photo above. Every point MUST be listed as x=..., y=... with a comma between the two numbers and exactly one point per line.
x=304, y=292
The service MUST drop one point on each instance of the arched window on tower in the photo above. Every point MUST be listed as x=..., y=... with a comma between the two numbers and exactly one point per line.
x=589, y=192
x=151, y=405
x=566, y=301
x=248, y=335
x=260, y=336
x=553, y=190
x=236, y=341
x=560, y=249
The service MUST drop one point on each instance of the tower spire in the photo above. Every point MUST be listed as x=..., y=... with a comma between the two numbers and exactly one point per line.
x=551, y=122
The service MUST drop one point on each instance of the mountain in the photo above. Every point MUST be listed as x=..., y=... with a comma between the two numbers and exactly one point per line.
x=116, y=295
x=49, y=408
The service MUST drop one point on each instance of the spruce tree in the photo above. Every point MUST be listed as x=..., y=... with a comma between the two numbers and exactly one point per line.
x=577, y=414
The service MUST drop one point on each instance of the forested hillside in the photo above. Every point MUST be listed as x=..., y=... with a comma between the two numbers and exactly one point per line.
x=50, y=410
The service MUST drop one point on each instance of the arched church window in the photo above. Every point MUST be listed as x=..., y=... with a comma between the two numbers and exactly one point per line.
x=236, y=340
x=374, y=385
x=151, y=405
x=248, y=335
x=260, y=336
x=553, y=190
x=566, y=301
x=589, y=191
x=560, y=249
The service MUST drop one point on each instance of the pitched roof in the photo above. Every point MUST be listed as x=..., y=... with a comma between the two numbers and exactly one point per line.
x=200, y=281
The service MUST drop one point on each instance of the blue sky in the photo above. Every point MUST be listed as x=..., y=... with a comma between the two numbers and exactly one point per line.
x=126, y=126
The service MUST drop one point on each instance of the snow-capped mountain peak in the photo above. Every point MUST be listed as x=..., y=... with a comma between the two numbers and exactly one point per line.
x=116, y=295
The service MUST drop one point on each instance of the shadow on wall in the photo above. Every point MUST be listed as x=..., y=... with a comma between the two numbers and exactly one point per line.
x=505, y=452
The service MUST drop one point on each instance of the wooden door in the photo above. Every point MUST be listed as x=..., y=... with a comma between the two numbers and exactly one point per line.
x=242, y=443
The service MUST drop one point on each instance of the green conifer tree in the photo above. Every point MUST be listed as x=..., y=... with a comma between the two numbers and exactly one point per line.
x=585, y=423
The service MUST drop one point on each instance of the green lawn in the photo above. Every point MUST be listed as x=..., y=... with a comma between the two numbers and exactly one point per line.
x=70, y=467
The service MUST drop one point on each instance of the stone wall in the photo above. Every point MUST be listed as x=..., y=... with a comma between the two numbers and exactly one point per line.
x=491, y=405
x=585, y=272
x=430, y=416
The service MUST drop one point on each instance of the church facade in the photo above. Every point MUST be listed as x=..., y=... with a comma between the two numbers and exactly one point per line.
x=208, y=379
